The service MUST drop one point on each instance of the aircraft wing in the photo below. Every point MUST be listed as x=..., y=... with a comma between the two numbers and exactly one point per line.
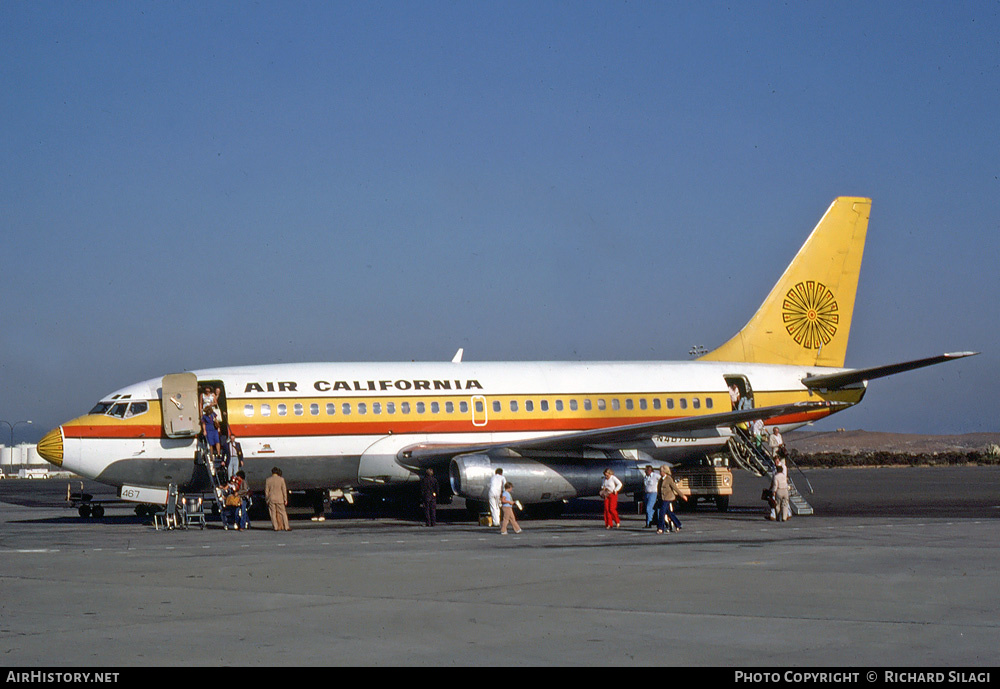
x=427, y=454
x=832, y=381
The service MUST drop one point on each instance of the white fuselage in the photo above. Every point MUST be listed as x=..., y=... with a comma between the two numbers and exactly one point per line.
x=344, y=425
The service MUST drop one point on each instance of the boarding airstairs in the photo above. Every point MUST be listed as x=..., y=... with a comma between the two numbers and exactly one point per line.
x=752, y=457
x=204, y=456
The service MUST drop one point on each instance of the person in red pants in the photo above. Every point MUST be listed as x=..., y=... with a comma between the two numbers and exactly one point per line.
x=609, y=491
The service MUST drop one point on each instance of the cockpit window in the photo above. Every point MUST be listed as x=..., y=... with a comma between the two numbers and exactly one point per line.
x=121, y=410
x=137, y=408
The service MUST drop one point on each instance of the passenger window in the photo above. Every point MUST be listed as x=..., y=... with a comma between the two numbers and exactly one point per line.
x=573, y=405
x=670, y=403
x=513, y=405
x=628, y=404
x=265, y=410
x=449, y=407
x=248, y=410
x=314, y=409
x=696, y=403
x=362, y=408
x=559, y=405
x=708, y=403
x=684, y=403
x=601, y=405
x=615, y=405
x=435, y=407
x=529, y=405
x=331, y=408
x=282, y=410
x=421, y=408
x=346, y=408
x=390, y=407
x=464, y=406
x=496, y=405
x=404, y=407
x=587, y=406
x=656, y=403
x=545, y=405
x=298, y=409
x=376, y=407
x=642, y=403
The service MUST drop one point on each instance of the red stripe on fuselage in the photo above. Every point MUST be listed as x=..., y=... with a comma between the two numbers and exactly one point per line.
x=402, y=426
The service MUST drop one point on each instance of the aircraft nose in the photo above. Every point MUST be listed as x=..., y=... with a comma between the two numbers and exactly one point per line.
x=50, y=448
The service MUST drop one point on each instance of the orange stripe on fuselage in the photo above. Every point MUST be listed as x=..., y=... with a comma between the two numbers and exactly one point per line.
x=307, y=424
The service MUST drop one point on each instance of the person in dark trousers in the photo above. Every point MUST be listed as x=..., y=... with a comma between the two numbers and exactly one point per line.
x=428, y=493
x=668, y=493
x=243, y=514
x=651, y=482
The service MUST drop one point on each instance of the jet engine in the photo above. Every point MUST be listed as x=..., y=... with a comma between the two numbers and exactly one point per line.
x=539, y=480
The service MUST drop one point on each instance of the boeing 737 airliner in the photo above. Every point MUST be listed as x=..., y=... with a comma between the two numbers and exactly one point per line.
x=553, y=427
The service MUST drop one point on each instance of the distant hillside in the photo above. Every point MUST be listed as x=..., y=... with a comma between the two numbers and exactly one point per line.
x=870, y=448
x=852, y=442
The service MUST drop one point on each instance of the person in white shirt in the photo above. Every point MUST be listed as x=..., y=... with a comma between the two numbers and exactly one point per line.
x=494, y=493
x=734, y=395
x=776, y=442
x=650, y=482
x=609, y=491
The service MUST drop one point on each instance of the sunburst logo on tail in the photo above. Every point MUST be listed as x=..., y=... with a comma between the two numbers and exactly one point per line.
x=809, y=312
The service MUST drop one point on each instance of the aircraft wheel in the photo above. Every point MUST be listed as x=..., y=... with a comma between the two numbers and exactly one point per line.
x=97, y=511
x=84, y=511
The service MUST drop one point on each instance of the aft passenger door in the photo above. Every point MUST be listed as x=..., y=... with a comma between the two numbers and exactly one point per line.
x=744, y=393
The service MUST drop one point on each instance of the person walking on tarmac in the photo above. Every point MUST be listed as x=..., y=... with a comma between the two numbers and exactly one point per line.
x=276, y=494
x=507, y=506
x=651, y=482
x=231, y=504
x=609, y=492
x=779, y=489
x=669, y=491
x=493, y=495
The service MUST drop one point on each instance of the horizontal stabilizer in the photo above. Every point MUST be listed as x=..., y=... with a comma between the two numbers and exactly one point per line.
x=832, y=381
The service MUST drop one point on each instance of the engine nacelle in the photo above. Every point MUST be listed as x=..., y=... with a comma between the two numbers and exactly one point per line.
x=538, y=481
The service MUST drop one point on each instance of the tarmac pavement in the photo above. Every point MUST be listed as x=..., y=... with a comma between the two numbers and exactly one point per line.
x=897, y=568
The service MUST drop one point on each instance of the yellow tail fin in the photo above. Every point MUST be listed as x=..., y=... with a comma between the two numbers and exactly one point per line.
x=806, y=318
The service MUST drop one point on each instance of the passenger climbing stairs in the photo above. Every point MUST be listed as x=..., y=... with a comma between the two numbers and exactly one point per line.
x=750, y=456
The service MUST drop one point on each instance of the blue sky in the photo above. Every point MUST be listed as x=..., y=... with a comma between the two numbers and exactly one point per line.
x=188, y=185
